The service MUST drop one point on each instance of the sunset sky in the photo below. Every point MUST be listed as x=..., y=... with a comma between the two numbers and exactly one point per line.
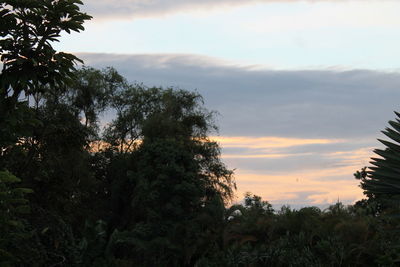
x=303, y=88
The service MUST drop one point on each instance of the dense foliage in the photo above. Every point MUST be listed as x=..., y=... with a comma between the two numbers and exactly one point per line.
x=95, y=171
x=149, y=189
x=381, y=182
x=150, y=181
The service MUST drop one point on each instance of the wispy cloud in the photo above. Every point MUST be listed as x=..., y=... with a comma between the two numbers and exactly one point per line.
x=262, y=156
x=269, y=147
x=268, y=141
x=139, y=8
x=296, y=171
x=148, y=8
x=285, y=189
x=357, y=157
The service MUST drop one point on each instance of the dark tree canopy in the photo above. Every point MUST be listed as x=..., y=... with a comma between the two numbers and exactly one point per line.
x=154, y=179
x=27, y=29
x=382, y=180
x=95, y=171
x=175, y=176
x=30, y=65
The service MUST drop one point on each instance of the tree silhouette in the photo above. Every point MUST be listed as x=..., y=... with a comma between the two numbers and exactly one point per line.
x=382, y=181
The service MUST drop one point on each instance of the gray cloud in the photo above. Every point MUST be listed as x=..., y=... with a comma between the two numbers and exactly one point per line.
x=140, y=8
x=145, y=8
x=291, y=164
x=254, y=102
x=303, y=199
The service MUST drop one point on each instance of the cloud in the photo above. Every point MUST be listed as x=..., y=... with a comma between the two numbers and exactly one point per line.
x=148, y=8
x=294, y=158
x=292, y=163
x=268, y=141
x=145, y=8
x=252, y=101
x=299, y=172
x=349, y=14
x=356, y=157
x=318, y=177
x=246, y=147
x=261, y=156
x=301, y=190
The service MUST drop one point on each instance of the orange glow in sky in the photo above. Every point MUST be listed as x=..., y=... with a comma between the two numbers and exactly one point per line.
x=315, y=184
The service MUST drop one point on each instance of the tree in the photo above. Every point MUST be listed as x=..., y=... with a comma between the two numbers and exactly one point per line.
x=382, y=181
x=55, y=159
x=16, y=246
x=30, y=137
x=27, y=30
x=29, y=62
x=91, y=92
x=133, y=105
x=164, y=189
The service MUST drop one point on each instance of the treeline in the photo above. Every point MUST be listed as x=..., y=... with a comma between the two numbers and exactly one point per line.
x=149, y=189
x=354, y=235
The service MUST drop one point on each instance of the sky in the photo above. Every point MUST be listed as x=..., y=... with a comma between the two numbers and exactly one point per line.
x=302, y=88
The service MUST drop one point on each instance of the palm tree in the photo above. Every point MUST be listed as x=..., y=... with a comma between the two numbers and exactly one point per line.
x=382, y=180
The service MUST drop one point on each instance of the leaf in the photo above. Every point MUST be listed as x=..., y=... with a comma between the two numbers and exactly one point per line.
x=392, y=134
x=23, y=209
x=45, y=230
x=15, y=223
x=390, y=145
x=22, y=190
x=8, y=178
